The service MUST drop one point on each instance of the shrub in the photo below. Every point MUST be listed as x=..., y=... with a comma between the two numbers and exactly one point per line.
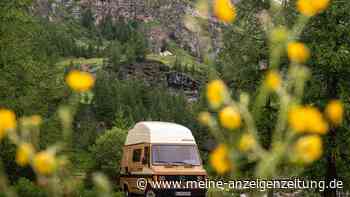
x=115, y=55
x=93, y=193
x=7, y=157
x=130, y=53
x=84, y=192
x=107, y=151
x=50, y=132
x=85, y=127
x=26, y=188
x=140, y=45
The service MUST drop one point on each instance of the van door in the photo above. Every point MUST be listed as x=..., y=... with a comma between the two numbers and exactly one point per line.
x=136, y=167
x=136, y=157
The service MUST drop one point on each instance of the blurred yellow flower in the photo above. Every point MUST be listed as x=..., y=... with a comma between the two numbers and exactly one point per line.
x=24, y=153
x=247, y=142
x=320, y=5
x=273, y=80
x=335, y=111
x=216, y=93
x=7, y=121
x=307, y=119
x=298, y=52
x=308, y=149
x=224, y=10
x=312, y=7
x=297, y=119
x=219, y=159
x=230, y=118
x=305, y=7
x=204, y=118
x=315, y=120
x=44, y=163
x=80, y=81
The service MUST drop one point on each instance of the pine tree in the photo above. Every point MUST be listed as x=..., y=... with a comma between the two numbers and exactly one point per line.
x=107, y=28
x=87, y=19
x=115, y=55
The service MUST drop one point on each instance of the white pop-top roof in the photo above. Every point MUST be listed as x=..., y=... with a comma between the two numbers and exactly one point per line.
x=159, y=132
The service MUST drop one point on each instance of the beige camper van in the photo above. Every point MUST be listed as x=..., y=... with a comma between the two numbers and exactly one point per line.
x=160, y=151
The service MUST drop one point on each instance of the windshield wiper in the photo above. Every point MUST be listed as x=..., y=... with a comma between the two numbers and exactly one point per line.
x=182, y=162
x=174, y=162
x=164, y=162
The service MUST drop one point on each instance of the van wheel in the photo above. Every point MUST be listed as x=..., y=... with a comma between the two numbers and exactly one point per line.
x=150, y=193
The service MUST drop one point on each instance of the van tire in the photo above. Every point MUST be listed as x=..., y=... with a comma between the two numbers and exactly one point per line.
x=150, y=193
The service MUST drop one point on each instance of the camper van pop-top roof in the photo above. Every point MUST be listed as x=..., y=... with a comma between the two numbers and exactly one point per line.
x=159, y=132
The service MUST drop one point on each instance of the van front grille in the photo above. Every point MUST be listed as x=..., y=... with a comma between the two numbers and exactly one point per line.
x=181, y=178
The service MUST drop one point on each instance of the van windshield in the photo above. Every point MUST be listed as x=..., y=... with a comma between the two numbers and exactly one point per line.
x=175, y=154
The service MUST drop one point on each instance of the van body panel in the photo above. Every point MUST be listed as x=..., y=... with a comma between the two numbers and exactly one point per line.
x=159, y=132
x=138, y=162
x=179, y=170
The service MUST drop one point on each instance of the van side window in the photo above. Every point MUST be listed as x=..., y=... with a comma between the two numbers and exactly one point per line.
x=136, y=155
x=145, y=155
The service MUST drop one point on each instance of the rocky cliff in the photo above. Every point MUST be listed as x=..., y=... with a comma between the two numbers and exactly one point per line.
x=168, y=14
x=168, y=18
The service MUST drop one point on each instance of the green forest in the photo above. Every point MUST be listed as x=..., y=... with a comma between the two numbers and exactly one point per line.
x=261, y=84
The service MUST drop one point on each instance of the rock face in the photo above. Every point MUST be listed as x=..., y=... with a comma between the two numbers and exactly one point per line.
x=155, y=73
x=165, y=18
x=169, y=16
x=181, y=81
x=127, y=9
x=151, y=72
x=56, y=9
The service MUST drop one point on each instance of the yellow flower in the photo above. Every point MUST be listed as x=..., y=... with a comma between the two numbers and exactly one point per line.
x=247, y=142
x=204, y=118
x=320, y=5
x=315, y=121
x=308, y=149
x=305, y=7
x=335, y=111
x=224, y=10
x=273, y=80
x=24, y=153
x=80, y=81
x=7, y=121
x=230, y=118
x=298, y=52
x=297, y=119
x=44, y=163
x=307, y=119
x=312, y=7
x=216, y=93
x=219, y=159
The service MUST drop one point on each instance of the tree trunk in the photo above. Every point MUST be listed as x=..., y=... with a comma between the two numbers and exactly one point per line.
x=331, y=166
x=331, y=174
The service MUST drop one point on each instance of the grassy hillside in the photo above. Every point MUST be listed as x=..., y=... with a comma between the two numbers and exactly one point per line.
x=65, y=62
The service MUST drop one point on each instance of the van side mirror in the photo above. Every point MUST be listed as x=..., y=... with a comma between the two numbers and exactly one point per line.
x=145, y=158
x=126, y=170
x=144, y=161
